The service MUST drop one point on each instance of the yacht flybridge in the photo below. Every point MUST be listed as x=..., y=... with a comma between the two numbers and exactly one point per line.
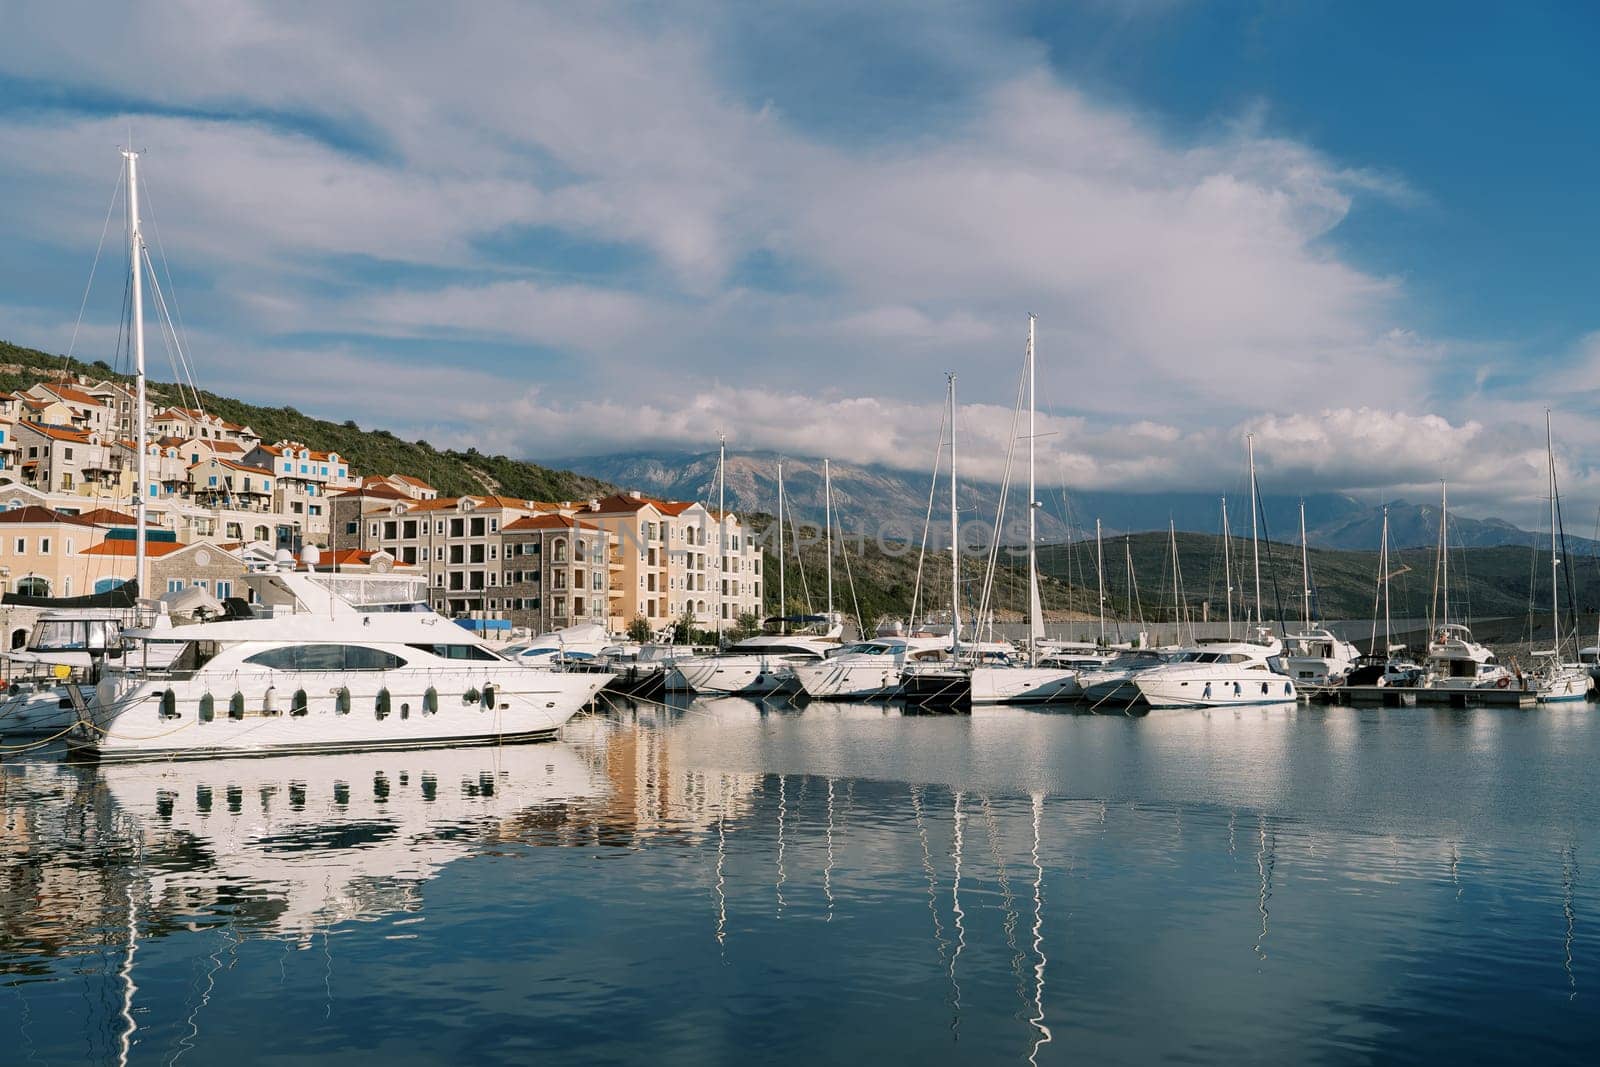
x=317, y=663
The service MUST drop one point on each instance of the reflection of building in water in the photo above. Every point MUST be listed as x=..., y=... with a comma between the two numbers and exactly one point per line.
x=648, y=795
x=61, y=862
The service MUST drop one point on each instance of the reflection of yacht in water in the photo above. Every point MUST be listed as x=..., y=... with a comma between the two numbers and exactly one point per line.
x=329, y=838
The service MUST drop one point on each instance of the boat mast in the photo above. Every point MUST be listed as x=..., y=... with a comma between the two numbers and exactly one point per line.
x=1555, y=584
x=1444, y=548
x=1227, y=564
x=722, y=531
x=1100, y=578
x=1255, y=547
x=1035, y=608
x=783, y=600
x=1177, y=597
x=955, y=532
x=135, y=251
x=1383, y=579
x=827, y=534
x=1305, y=566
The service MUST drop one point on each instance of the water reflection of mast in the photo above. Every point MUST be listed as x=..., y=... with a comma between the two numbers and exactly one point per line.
x=1044, y=1037
x=1264, y=865
x=722, y=852
x=783, y=811
x=1569, y=877
x=1008, y=902
x=125, y=1040
x=955, y=907
x=927, y=868
x=827, y=871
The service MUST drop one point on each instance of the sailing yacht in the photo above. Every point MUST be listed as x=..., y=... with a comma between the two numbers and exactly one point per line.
x=1554, y=680
x=1455, y=659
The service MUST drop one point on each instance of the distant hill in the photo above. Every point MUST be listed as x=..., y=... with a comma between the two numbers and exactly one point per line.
x=868, y=495
x=374, y=451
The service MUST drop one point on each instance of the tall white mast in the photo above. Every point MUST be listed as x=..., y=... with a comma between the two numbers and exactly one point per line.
x=955, y=533
x=722, y=531
x=1177, y=593
x=827, y=535
x=1100, y=578
x=1227, y=563
x=783, y=599
x=1305, y=566
x=1383, y=565
x=1555, y=587
x=1444, y=547
x=135, y=253
x=1035, y=607
x=1255, y=547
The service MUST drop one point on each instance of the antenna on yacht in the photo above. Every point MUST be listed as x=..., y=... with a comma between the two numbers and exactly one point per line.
x=136, y=281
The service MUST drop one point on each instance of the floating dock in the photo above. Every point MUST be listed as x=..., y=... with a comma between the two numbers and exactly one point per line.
x=1398, y=696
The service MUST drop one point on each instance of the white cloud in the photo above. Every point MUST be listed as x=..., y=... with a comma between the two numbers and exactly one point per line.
x=338, y=170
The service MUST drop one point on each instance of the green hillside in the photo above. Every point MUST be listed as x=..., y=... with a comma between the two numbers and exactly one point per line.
x=375, y=451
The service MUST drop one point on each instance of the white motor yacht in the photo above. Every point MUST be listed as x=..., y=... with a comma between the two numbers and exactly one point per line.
x=869, y=670
x=580, y=645
x=61, y=649
x=1219, y=674
x=1318, y=658
x=1456, y=661
x=1589, y=660
x=1114, y=682
x=318, y=663
x=755, y=665
x=1055, y=677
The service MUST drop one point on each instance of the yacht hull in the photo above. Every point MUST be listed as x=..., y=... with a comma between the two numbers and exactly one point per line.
x=849, y=681
x=1220, y=691
x=1024, y=685
x=736, y=674
x=329, y=712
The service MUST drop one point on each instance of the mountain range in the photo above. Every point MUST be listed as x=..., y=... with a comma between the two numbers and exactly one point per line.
x=867, y=497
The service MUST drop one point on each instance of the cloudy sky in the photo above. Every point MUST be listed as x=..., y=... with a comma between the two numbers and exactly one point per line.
x=560, y=229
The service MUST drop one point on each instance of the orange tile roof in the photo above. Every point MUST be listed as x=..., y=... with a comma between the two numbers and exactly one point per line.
x=68, y=393
x=546, y=522
x=33, y=513
x=107, y=517
x=125, y=548
x=60, y=433
x=417, y=482
x=360, y=557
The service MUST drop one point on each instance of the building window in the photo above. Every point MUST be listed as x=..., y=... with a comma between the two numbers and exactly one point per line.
x=174, y=585
x=44, y=546
x=224, y=590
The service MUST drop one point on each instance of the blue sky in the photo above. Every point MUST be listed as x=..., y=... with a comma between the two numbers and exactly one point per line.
x=1361, y=232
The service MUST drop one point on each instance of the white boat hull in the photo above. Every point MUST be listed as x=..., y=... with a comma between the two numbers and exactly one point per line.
x=1206, y=690
x=38, y=713
x=1024, y=685
x=136, y=718
x=736, y=674
x=849, y=681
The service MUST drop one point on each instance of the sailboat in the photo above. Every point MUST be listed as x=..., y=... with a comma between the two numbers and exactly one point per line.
x=1391, y=667
x=1319, y=657
x=1051, y=673
x=1455, y=659
x=1554, y=680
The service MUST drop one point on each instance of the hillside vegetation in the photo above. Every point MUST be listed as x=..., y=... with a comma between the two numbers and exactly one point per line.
x=376, y=451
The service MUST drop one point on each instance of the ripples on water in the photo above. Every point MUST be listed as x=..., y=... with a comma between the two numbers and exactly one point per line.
x=839, y=882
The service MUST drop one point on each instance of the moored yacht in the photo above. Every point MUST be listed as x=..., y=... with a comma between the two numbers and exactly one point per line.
x=755, y=665
x=1114, y=682
x=1319, y=658
x=1218, y=674
x=1055, y=678
x=1456, y=661
x=869, y=670
x=318, y=663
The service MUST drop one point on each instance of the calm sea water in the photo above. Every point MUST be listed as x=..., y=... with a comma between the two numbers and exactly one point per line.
x=731, y=881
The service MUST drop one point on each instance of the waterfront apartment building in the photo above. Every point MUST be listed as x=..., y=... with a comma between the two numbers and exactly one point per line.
x=560, y=571
x=675, y=560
